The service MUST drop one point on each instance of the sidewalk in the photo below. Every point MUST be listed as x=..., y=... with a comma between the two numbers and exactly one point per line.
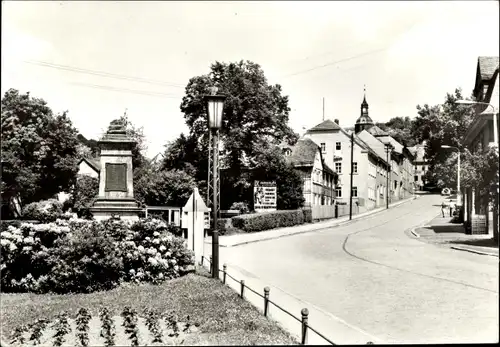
x=241, y=239
x=332, y=327
x=440, y=231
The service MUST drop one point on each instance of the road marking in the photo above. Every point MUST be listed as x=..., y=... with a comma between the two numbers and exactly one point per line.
x=414, y=232
x=344, y=248
x=473, y=251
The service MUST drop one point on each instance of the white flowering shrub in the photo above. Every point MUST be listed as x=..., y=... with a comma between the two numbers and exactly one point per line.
x=152, y=254
x=43, y=210
x=80, y=255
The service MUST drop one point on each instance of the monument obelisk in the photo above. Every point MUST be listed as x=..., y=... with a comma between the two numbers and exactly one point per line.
x=116, y=183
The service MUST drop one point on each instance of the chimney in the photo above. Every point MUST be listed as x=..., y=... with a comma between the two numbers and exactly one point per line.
x=336, y=121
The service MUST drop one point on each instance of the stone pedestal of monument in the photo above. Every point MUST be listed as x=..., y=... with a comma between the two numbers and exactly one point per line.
x=116, y=185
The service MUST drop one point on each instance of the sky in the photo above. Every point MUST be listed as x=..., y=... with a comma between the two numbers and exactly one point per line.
x=97, y=59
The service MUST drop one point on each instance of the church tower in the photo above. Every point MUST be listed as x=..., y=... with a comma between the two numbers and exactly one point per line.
x=364, y=121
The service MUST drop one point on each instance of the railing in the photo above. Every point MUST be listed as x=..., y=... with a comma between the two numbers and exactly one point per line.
x=304, y=320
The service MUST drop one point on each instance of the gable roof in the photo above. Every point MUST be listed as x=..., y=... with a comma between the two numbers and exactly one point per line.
x=374, y=144
x=377, y=131
x=397, y=147
x=325, y=126
x=304, y=152
x=486, y=67
x=94, y=163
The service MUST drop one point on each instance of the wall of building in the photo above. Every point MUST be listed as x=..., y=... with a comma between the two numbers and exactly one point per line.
x=360, y=157
x=420, y=170
x=318, y=184
x=86, y=170
x=381, y=184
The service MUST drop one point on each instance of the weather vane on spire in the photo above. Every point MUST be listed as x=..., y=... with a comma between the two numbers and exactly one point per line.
x=125, y=113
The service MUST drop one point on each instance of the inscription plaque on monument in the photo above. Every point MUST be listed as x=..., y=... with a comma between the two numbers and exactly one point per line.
x=116, y=177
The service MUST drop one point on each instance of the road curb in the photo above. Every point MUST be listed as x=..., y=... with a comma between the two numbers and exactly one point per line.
x=473, y=251
x=355, y=218
x=414, y=232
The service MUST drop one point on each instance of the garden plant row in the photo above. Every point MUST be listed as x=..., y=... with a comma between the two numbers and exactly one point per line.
x=104, y=329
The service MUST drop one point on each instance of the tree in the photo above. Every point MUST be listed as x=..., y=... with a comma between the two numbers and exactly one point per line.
x=83, y=194
x=271, y=165
x=88, y=148
x=39, y=149
x=254, y=111
x=480, y=172
x=165, y=188
x=268, y=164
x=137, y=134
x=401, y=129
x=442, y=125
x=183, y=154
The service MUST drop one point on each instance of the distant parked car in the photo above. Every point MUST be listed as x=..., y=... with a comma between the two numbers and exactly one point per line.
x=446, y=191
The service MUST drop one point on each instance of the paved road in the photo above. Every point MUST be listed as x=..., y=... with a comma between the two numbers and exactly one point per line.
x=375, y=276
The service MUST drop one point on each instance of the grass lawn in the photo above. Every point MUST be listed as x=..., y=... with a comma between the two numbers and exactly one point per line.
x=221, y=316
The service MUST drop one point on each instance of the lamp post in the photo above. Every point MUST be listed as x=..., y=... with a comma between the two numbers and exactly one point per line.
x=215, y=107
x=459, y=193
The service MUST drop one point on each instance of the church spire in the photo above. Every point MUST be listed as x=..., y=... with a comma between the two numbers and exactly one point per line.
x=364, y=103
x=364, y=121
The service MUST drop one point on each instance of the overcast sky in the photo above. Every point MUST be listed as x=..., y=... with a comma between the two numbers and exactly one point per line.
x=407, y=53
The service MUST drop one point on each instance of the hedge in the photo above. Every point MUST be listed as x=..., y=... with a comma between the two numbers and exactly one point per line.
x=271, y=220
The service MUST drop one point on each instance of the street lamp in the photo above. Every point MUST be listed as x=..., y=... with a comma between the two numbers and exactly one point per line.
x=215, y=107
x=459, y=193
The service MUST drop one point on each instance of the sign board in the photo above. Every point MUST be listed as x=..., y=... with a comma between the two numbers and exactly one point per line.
x=207, y=220
x=264, y=196
x=116, y=177
x=478, y=225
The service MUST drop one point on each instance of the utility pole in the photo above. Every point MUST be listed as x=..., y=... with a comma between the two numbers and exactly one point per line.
x=387, y=151
x=350, y=191
x=323, y=109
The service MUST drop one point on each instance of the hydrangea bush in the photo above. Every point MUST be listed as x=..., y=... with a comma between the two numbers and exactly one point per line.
x=80, y=255
x=43, y=211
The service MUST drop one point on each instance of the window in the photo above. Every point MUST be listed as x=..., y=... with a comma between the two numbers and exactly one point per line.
x=416, y=178
x=338, y=146
x=491, y=135
x=338, y=167
x=338, y=192
x=287, y=152
x=355, y=167
x=395, y=184
x=355, y=192
x=323, y=147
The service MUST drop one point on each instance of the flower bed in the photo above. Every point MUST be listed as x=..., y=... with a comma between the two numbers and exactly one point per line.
x=84, y=256
x=221, y=316
x=105, y=329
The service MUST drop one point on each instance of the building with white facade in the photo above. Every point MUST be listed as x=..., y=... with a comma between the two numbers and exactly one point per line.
x=482, y=134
